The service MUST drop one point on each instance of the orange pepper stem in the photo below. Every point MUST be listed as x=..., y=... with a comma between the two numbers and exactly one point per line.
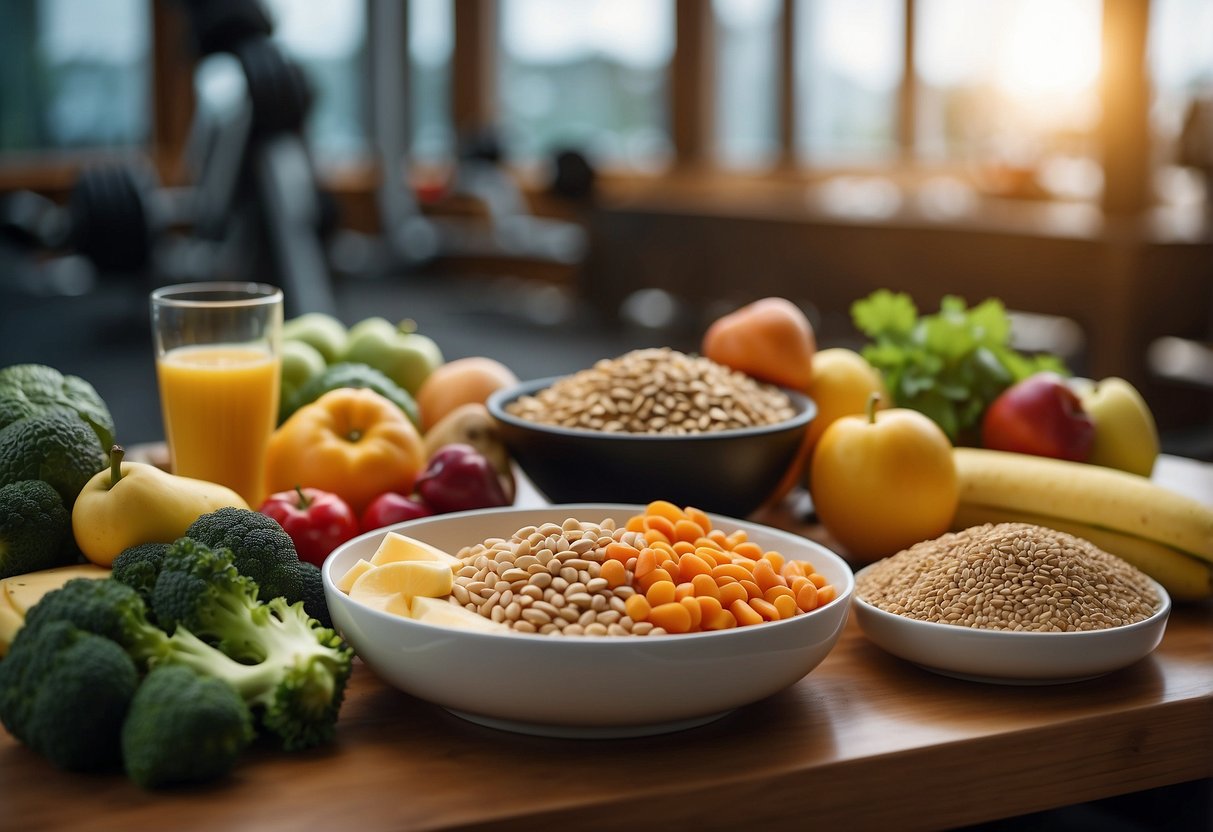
x=116, y=454
x=873, y=400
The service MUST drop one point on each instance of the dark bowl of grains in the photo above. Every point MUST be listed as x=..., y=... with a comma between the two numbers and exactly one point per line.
x=654, y=424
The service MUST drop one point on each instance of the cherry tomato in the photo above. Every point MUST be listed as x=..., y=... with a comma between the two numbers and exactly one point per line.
x=317, y=521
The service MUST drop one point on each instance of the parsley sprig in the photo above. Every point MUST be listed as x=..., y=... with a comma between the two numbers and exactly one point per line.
x=950, y=365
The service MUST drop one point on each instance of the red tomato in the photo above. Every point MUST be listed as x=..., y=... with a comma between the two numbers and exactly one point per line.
x=317, y=521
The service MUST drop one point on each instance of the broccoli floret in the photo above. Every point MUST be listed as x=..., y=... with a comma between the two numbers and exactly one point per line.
x=34, y=525
x=261, y=549
x=293, y=671
x=64, y=692
x=314, y=602
x=288, y=670
x=107, y=608
x=183, y=727
x=139, y=566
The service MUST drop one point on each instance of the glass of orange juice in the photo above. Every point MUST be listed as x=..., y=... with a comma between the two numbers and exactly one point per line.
x=217, y=364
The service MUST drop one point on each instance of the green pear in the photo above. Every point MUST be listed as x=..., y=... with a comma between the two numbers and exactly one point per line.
x=405, y=356
x=1126, y=436
x=324, y=333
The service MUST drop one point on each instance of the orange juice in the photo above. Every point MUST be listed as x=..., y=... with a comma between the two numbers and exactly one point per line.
x=220, y=405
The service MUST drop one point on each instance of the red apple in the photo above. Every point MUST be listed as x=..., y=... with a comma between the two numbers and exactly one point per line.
x=1040, y=415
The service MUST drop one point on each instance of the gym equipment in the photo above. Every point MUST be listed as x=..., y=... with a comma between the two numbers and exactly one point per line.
x=507, y=230
x=254, y=210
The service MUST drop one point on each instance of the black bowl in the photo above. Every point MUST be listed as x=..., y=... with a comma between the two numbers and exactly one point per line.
x=729, y=472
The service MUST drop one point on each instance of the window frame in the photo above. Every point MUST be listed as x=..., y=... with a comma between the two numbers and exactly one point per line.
x=1123, y=132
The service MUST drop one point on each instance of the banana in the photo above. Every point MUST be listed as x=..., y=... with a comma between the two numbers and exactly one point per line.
x=1091, y=494
x=1185, y=577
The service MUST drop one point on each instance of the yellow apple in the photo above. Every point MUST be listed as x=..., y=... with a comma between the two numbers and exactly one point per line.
x=1126, y=436
x=841, y=384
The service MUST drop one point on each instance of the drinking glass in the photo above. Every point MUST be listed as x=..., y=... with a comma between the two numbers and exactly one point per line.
x=218, y=354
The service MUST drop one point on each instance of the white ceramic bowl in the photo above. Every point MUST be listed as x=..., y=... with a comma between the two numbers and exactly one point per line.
x=606, y=686
x=1008, y=657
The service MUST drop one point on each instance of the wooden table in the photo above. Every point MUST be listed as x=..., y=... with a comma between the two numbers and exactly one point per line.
x=865, y=741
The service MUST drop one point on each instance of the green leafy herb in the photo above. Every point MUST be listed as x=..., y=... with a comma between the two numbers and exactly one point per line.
x=950, y=365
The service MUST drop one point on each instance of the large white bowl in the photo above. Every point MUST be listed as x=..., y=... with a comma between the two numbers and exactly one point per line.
x=1009, y=657
x=585, y=686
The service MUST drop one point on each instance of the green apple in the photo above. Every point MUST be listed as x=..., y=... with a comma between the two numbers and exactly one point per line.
x=1126, y=436
x=300, y=363
x=324, y=333
x=400, y=352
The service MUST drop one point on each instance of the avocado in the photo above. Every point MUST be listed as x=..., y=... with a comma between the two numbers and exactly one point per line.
x=57, y=447
x=351, y=374
x=33, y=389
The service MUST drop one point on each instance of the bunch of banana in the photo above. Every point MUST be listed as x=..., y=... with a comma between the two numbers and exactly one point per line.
x=1166, y=535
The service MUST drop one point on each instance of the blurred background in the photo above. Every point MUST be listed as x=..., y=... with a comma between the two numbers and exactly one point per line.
x=555, y=181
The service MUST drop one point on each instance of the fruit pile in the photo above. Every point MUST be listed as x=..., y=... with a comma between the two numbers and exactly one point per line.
x=938, y=423
x=376, y=427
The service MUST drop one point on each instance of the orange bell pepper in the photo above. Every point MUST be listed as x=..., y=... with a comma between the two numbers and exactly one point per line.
x=352, y=442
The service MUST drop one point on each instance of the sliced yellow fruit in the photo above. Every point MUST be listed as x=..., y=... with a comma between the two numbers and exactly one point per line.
x=23, y=591
x=398, y=547
x=10, y=622
x=408, y=578
x=441, y=611
x=347, y=580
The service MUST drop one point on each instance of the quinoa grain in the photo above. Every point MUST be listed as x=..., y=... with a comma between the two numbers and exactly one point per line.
x=1010, y=576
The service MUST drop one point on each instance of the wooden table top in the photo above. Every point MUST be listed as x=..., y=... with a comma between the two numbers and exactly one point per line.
x=865, y=741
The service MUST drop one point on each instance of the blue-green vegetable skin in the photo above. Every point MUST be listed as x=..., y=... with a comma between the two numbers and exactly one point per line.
x=65, y=692
x=261, y=550
x=292, y=671
x=184, y=727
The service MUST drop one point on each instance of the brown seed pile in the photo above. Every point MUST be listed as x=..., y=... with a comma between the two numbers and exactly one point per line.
x=547, y=579
x=1010, y=576
x=656, y=390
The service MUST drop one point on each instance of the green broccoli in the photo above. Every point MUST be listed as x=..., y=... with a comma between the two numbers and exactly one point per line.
x=183, y=727
x=297, y=681
x=139, y=566
x=107, y=608
x=299, y=668
x=34, y=525
x=262, y=550
x=314, y=602
x=64, y=692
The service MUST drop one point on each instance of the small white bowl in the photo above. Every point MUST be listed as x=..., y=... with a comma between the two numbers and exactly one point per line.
x=585, y=686
x=1009, y=657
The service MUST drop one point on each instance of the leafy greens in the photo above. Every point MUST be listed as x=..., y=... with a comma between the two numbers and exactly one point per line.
x=949, y=365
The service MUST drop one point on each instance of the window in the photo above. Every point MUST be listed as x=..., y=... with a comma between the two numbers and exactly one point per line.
x=1012, y=83
x=746, y=39
x=589, y=74
x=1181, y=74
x=431, y=44
x=847, y=72
x=328, y=39
x=74, y=74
